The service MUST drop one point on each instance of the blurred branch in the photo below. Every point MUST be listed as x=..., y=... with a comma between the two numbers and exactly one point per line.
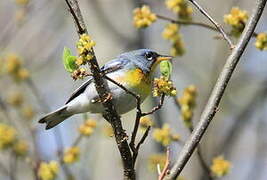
x=13, y=166
x=216, y=24
x=240, y=121
x=3, y=169
x=258, y=164
x=103, y=91
x=218, y=91
x=4, y=109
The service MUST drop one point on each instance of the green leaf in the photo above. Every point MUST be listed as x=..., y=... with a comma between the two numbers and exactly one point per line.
x=69, y=60
x=166, y=68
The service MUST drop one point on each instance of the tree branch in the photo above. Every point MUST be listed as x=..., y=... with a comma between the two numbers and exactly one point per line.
x=166, y=169
x=216, y=24
x=103, y=91
x=193, y=23
x=218, y=91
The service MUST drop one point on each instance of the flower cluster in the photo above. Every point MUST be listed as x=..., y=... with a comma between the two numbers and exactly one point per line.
x=156, y=159
x=84, y=47
x=172, y=33
x=237, y=20
x=164, y=136
x=21, y=148
x=9, y=139
x=85, y=53
x=143, y=17
x=163, y=86
x=71, y=155
x=181, y=8
x=88, y=127
x=145, y=122
x=220, y=167
x=48, y=171
x=14, y=67
x=187, y=103
x=261, y=42
x=8, y=136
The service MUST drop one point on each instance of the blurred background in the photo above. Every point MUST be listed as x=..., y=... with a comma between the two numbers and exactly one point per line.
x=35, y=33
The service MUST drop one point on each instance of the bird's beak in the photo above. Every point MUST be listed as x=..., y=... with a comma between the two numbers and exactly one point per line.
x=163, y=58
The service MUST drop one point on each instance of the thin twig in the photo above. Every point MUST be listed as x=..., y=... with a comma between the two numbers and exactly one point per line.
x=218, y=91
x=166, y=169
x=184, y=22
x=103, y=91
x=194, y=23
x=135, y=153
x=154, y=109
x=216, y=24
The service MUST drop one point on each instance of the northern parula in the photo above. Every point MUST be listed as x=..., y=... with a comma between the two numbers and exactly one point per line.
x=131, y=69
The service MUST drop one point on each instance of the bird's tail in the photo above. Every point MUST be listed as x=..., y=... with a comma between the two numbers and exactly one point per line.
x=54, y=118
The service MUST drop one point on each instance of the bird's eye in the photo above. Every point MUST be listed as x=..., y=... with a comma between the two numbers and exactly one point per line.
x=149, y=56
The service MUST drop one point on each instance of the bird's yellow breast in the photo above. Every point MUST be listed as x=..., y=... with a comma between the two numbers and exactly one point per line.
x=136, y=79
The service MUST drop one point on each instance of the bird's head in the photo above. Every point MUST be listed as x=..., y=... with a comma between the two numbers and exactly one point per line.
x=145, y=59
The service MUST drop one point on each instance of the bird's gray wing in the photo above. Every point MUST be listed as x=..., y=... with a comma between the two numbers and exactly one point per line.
x=109, y=67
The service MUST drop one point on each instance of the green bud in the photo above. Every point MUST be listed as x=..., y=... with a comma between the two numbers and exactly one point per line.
x=69, y=60
x=166, y=69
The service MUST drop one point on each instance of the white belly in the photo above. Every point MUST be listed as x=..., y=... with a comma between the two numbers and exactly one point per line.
x=123, y=102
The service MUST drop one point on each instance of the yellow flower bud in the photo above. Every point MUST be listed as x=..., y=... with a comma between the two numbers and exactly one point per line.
x=71, y=155
x=48, y=171
x=261, y=41
x=164, y=136
x=143, y=17
x=163, y=86
x=23, y=74
x=146, y=121
x=8, y=136
x=237, y=20
x=220, y=167
x=21, y=148
x=87, y=128
x=180, y=7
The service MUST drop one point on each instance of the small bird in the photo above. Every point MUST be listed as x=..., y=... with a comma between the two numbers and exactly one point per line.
x=132, y=69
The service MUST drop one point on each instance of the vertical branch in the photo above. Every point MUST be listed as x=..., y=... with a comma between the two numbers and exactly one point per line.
x=218, y=91
x=103, y=91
